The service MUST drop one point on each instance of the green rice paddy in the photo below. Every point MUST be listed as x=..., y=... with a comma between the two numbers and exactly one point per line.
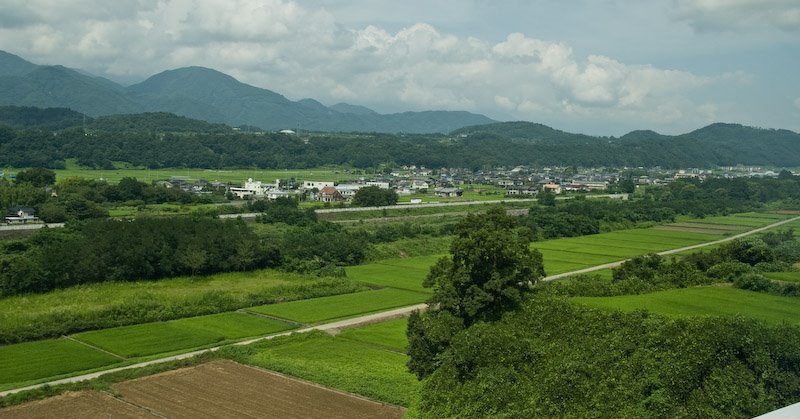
x=705, y=301
x=341, y=306
x=48, y=358
x=390, y=334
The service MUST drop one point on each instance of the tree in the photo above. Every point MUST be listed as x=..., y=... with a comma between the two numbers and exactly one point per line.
x=374, y=196
x=490, y=268
x=39, y=177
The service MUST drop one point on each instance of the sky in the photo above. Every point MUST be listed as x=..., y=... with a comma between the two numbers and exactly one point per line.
x=600, y=67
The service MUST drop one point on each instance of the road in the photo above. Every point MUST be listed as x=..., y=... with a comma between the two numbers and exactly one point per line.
x=369, y=318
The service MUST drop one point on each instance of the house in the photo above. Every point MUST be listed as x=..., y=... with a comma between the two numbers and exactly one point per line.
x=449, y=192
x=21, y=215
x=552, y=187
x=318, y=185
x=348, y=190
x=330, y=194
x=522, y=190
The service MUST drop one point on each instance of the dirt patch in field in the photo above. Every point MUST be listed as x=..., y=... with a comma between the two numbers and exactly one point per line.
x=228, y=389
x=83, y=404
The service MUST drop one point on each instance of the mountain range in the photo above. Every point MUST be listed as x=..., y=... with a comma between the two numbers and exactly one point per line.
x=208, y=95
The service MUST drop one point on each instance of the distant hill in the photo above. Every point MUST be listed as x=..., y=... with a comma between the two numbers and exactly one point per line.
x=718, y=144
x=54, y=119
x=205, y=94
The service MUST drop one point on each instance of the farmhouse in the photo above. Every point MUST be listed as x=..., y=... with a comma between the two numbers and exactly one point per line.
x=552, y=187
x=20, y=215
x=449, y=192
x=330, y=194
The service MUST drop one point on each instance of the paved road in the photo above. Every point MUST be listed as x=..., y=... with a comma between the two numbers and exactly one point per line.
x=671, y=251
x=342, y=324
x=369, y=318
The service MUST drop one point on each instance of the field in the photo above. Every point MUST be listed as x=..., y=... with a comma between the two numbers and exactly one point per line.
x=340, y=363
x=404, y=273
x=705, y=301
x=114, y=303
x=77, y=405
x=232, y=175
x=341, y=306
x=390, y=334
x=214, y=389
x=228, y=389
x=154, y=338
x=784, y=276
x=48, y=358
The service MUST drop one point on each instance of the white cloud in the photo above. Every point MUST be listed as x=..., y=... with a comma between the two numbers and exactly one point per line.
x=302, y=52
x=714, y=15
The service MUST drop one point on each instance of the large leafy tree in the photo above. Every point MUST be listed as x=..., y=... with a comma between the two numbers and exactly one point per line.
x=374, y=196
x=490, y=268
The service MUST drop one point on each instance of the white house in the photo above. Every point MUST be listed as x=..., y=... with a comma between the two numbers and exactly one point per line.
x=310, y=184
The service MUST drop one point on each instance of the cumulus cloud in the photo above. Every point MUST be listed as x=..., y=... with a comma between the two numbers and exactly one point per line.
x=715, y=15
x=304, y=52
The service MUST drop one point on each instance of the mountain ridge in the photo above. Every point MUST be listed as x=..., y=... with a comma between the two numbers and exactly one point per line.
x=206, y=94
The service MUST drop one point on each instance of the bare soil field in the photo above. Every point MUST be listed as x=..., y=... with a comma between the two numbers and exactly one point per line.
x=78, y=405
x=227, y=389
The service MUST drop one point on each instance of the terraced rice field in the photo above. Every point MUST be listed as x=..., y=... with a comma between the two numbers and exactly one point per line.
x=705, y=301
x=316, y=310
x=48, y=358
x=155, y=338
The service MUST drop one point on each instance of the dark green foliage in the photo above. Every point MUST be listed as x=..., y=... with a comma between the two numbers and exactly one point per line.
x=145, y=248
x=39, y=177
x=554, y=359
x=54, y=119
x=490, y=268
x=282, y=210
x=374, y=196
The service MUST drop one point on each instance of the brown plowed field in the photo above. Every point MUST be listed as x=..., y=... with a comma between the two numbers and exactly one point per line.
x=223, y=389
x=78, y=405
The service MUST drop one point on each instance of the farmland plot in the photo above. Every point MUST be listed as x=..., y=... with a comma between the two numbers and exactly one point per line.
x=47, y=358
x=77, y=405
x=228, y=389
x=341, y=306
x=705, y=301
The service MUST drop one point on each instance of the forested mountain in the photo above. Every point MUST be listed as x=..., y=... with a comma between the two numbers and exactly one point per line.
x=167, y=140
x=205, y=94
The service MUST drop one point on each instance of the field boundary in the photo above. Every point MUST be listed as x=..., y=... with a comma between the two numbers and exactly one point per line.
x=87, y=344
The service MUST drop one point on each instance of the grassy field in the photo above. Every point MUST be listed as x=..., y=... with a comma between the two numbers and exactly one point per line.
x=340, y=363
x=705, y=301
x=111, y=304
x=341, y=306
x=48, y=358
x=230, y=175
x=148, y=339
x=784, y=276
x=404, y=273
x=154, y=338
x=389, y=334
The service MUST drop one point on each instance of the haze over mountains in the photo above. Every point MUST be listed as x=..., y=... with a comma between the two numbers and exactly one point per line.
x=208, y=95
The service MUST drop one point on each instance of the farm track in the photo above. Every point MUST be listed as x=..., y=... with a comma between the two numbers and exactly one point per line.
x=374, y=317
